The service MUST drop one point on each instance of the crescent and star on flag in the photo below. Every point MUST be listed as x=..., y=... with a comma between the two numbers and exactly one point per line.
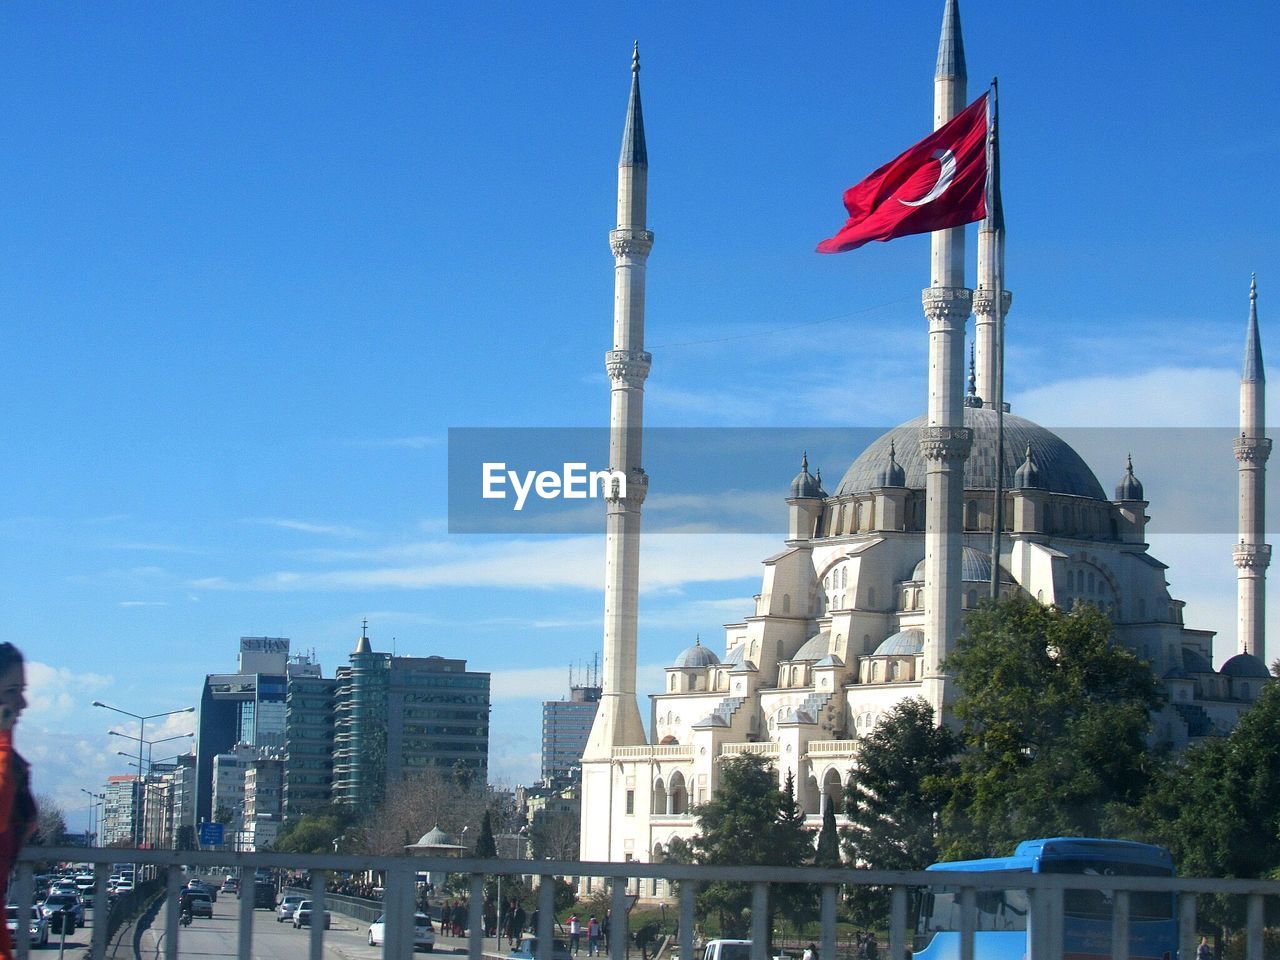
x=941, y=182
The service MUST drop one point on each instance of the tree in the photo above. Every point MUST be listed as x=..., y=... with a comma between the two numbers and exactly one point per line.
x=315, y=832
x=827, y=853
x=895, y=798
x=51, y=823
x=1217, y=808
x=185, y=838
x=486, y=845
x=554, y=836
x=1054, y=718
x=748, y=822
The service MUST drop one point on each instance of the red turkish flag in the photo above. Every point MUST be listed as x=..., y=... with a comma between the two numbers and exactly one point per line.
x=940, y=182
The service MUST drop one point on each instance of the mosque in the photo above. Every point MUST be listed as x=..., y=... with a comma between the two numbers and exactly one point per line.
x=862, y=604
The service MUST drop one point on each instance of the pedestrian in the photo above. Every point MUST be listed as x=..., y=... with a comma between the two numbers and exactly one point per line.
x=459, y=918
x=17, y=806
x=604, y=930
x=810, y=953
x=518, y=918
x=575, y=934
x=593, y=936
x=1203, y=952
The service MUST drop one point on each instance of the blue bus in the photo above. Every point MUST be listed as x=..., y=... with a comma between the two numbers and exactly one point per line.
x=1001, y=922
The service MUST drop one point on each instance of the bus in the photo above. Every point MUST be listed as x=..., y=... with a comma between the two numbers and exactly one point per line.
x=1000, y=925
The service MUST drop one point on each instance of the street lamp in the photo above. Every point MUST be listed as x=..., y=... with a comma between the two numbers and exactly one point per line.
x=101, y=798
x=149, y=743
x=142, y=732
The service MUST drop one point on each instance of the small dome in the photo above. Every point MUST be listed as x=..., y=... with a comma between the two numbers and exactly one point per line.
x=435, y=837
x=891, y=474
x=904, y=643
x=806, y=486
x=1027, y=476
x=735, y=657
x=815, y=648
x=1245, y=665
x=1129, y=487
x=974, y=565
x=696, y=656
x=1195, y=662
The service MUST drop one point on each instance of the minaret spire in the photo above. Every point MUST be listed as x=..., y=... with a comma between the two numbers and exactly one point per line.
x=1252, y=555
x=617, y=721
x=945, y=441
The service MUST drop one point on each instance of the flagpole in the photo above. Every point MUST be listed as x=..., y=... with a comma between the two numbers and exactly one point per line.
x=996, y=214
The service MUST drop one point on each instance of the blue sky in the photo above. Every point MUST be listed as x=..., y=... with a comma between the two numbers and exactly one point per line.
x=259, y=259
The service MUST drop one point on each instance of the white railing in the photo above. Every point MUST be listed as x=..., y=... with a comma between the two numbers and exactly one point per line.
x=655, y=751
x=830, y=748
x=1046, y=929
x=763, y=748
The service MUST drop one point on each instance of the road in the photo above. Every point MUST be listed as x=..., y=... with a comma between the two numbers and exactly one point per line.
x=346, y=939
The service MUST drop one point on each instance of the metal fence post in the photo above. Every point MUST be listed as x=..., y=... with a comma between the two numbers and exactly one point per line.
x=968, y=921
x=1253, y=928
x=24, y=894
x=244, y=946
x=171, y=888
x=101, y=909
x=829, y=893
x=547, y=917
x=897, y=924
x=688, y=898
x=316, y=942
x=760, y=920
x=1186, y=924
x=475, y=918
x=619, y=921
x=1120, y=926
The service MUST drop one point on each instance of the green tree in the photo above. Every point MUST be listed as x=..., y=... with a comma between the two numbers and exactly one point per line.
x=185, y=838
x=486, y=845
x=748, y=822
x=895, y=798
x=1053, y=719
x=51, y=823
x=1217, y=808
x=315, y=832
x=827, y=853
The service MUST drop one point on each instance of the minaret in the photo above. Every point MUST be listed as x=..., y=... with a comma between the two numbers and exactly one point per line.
x=617, y=720
x=1251, y=554
x=988, y=333
x=945, y=441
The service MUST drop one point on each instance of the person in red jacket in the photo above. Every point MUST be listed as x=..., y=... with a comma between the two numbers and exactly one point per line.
x=17, y=807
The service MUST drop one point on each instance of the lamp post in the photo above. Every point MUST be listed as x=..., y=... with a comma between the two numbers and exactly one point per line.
x=141, y=738
x=100, y=798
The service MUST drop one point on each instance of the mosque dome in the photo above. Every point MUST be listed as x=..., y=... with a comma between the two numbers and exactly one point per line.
x=904, y=643
x=1027, y=476
x=1129, y=487
x=805, y=486
x=1245, y=665
x=815, y=648
x=974, y=565
x=1061, y=469
x=696, y=656
x=435, y=837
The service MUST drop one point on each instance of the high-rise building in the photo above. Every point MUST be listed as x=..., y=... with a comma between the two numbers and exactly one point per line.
x=308, y=743
x=247, y=706
x=120, y=810
x=231, y=771
x=566, y=725
x=263, y=802
x=399, y=716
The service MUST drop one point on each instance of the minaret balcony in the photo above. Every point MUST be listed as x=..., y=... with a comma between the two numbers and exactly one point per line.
x=1251, y=556
x=1252, y=449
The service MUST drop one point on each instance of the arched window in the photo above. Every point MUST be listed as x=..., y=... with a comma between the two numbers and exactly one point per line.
x=786, y=603
x=673, y=683
x=679, y=794
x=659, y=797
x=832, y=790
x=844, y=578
x=971, y=515
x=973, y=596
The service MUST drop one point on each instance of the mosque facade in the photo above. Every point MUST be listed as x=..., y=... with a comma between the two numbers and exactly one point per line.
x=863, y=602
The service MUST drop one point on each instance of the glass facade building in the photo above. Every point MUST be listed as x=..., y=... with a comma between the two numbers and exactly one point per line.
x=566, y=725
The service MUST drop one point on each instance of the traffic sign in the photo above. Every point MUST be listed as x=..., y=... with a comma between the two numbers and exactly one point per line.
x=210, y=834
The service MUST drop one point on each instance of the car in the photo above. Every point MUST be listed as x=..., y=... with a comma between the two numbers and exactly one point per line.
x=231, y=885
x=302, y=916
x=69, y=903
x=201, y=905
x=528, y=949
x=84, y=882
x=424, y=936
x=123, y=887
x=288, y=904
x=38, y=927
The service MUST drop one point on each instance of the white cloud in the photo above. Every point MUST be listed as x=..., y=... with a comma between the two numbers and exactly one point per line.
x=142, y=603
x=304, y=526
x=53, y=691
x=1163, y=397
x=669, y=561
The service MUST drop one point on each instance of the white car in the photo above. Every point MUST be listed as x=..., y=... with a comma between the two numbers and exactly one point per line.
x=288, y=904
x=38, y=927
x=424, y=936
x=302, y=916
